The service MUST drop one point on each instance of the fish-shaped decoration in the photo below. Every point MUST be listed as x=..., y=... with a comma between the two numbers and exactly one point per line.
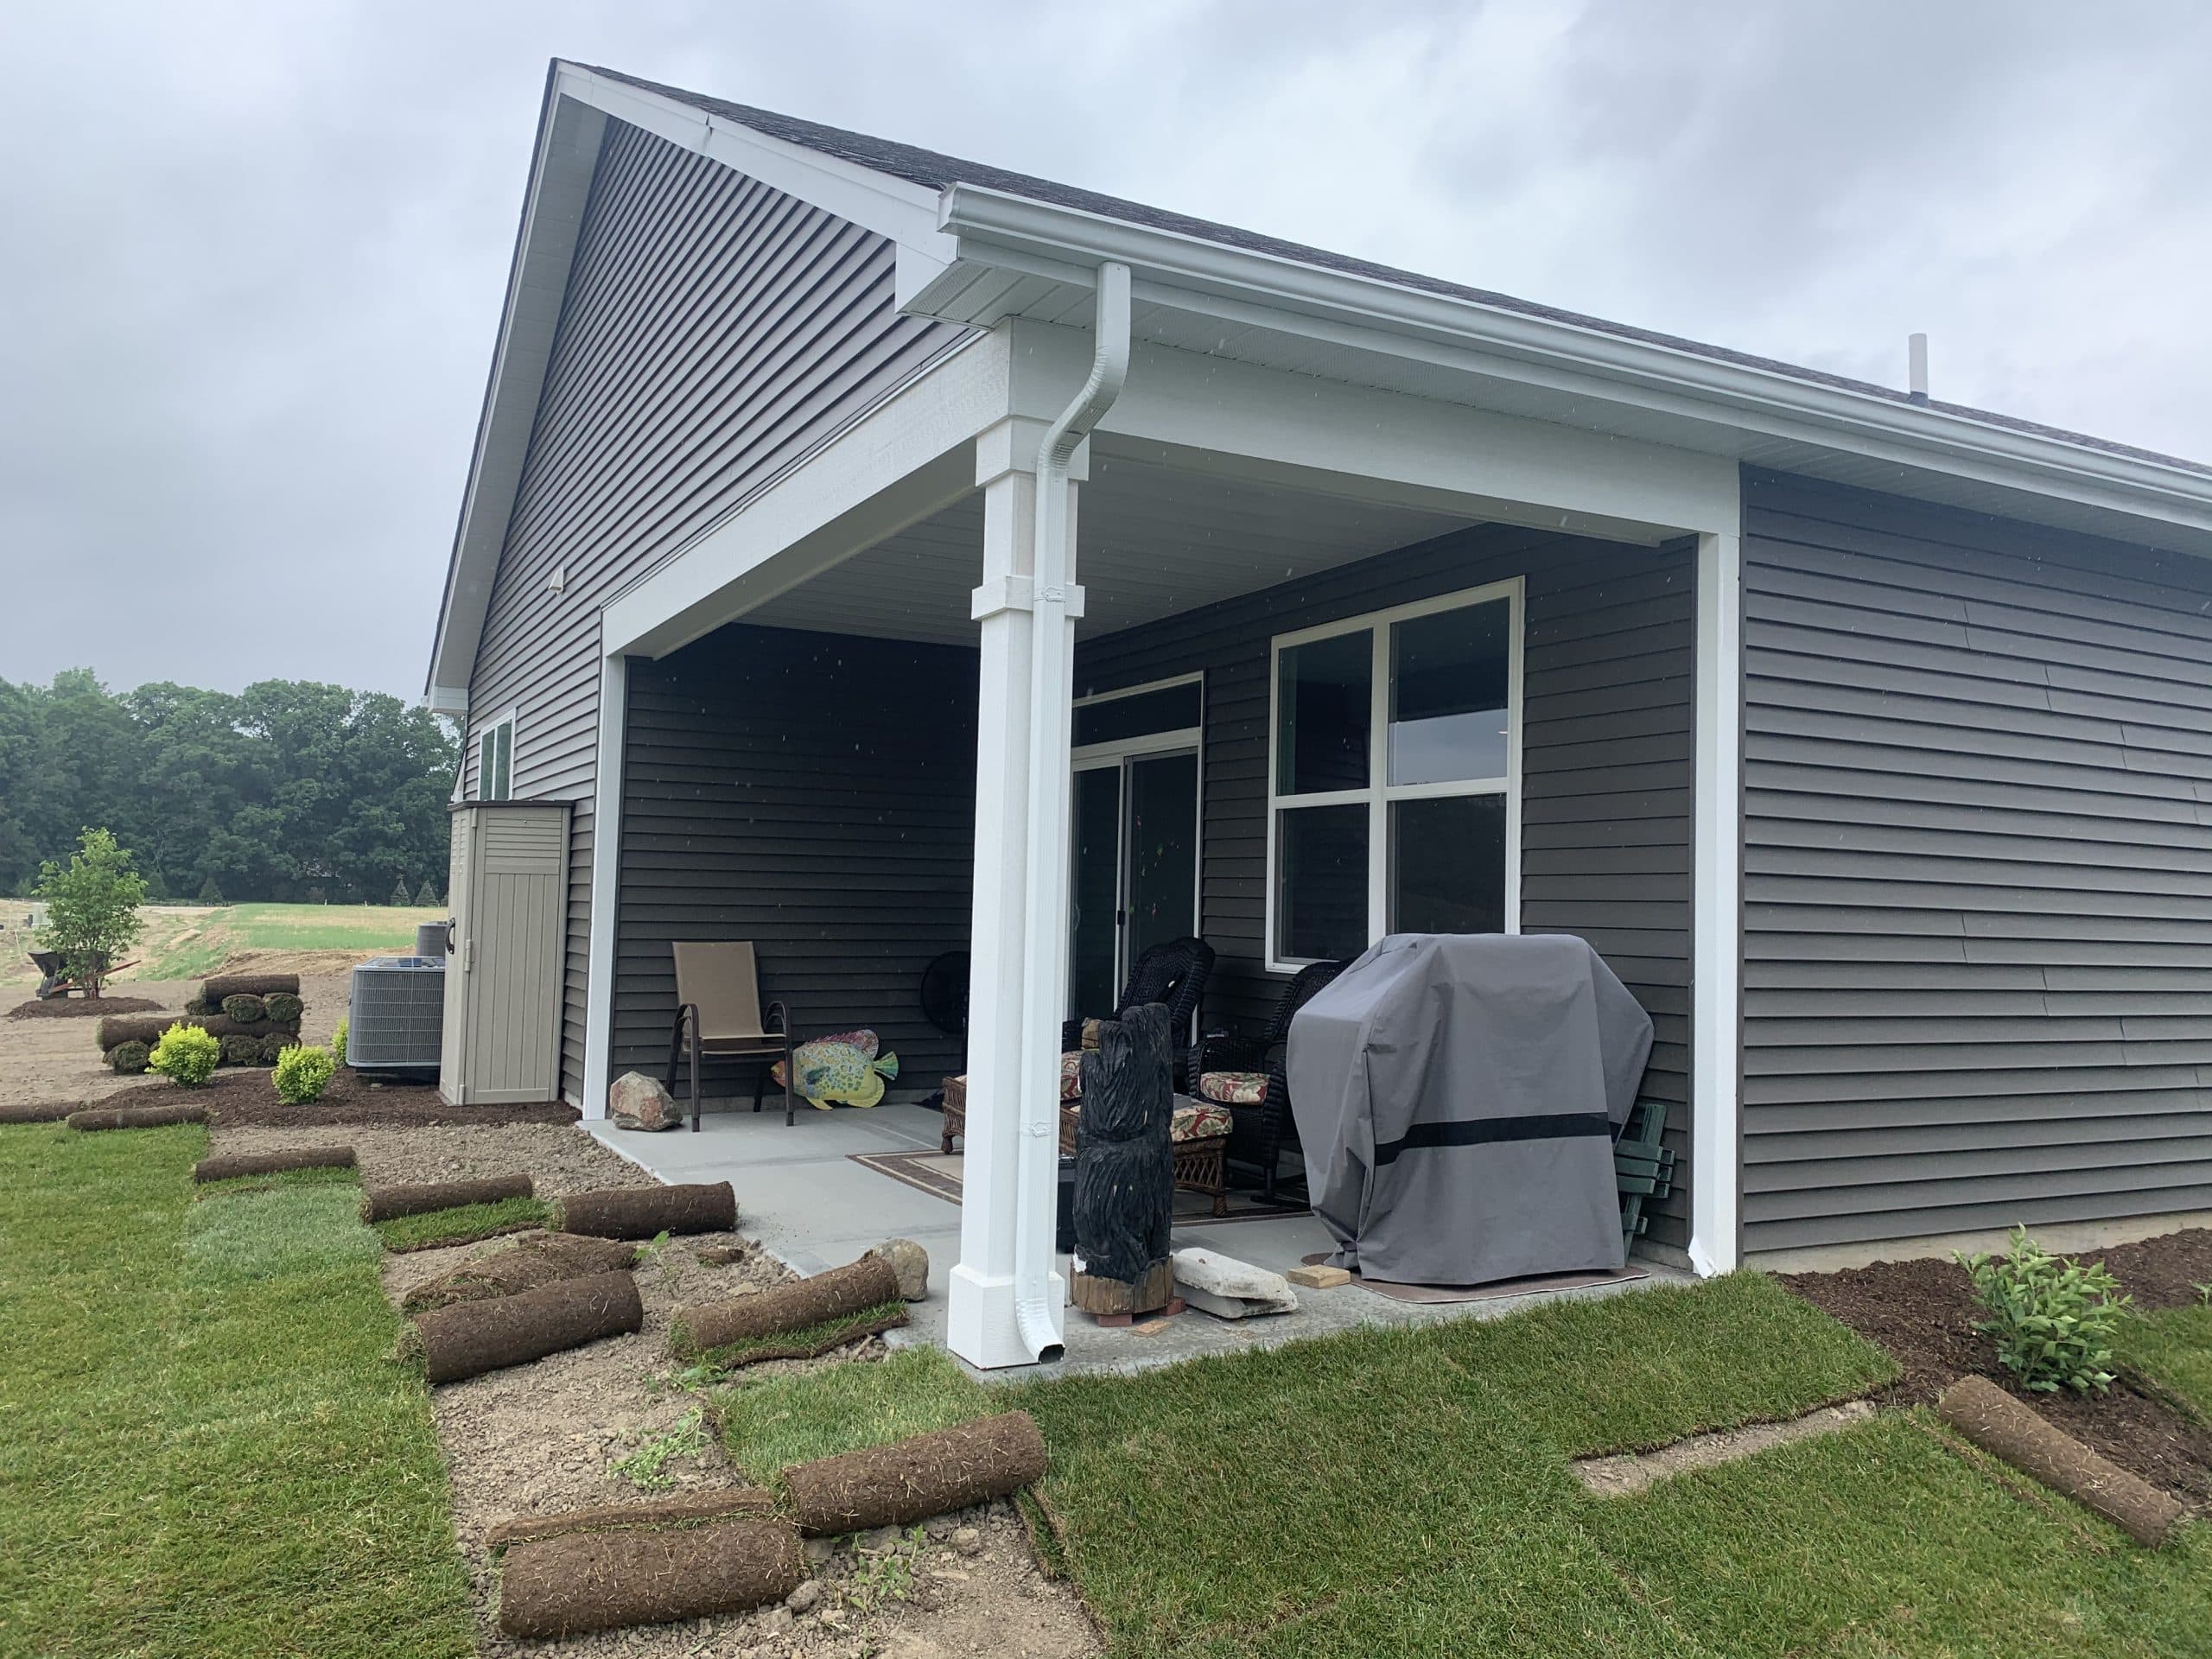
x=843, y=1070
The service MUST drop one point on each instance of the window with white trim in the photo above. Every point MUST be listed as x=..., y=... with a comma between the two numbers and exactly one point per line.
x=495, y=760
x=1394, y=768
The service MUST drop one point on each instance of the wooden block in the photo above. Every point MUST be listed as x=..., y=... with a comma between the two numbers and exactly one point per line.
x=1318, y=1278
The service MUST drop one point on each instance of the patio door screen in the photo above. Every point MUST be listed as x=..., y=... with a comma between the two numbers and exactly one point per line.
x=1132, y=835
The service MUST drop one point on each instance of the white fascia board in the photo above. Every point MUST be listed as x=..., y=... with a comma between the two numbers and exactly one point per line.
x=447, y=700
x=1237, y=285
x=893, y=208
x=553, y=210
x=909, y=457
x=1215, y=414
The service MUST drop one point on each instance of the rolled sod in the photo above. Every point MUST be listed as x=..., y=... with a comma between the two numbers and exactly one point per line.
x=214, y=990
x=911, y=1480
x=810, y=1343
x=621, y=1517
x=284, y=1007
x=274, y=1045
x=383, y=1203
x=135, y=1117
x=605, y=1580
x=509, y=1269
x=700, y=1327
x=228, y=1167
x=113, y=1029
x=42, y=1111
x=130, y=1058
x=241, y=1051
x=245, y=1008
x=2001, y=1425
x=470, y=1339
x=647, y=1211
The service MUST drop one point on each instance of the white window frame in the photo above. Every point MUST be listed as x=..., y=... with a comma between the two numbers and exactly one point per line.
x=483, y=736
x=1379, y=793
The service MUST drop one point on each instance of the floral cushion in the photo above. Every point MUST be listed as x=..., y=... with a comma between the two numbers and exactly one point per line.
x=1234, y=1088
x=1200, y=1120
x=1070, y=1078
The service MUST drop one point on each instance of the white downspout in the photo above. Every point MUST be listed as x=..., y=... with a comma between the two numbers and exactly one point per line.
x=1052, y=681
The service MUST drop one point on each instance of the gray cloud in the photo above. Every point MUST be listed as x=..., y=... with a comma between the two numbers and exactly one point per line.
x=254, y=253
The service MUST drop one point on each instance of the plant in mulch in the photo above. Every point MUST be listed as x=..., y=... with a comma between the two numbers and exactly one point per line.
x=302, y=1073
x=338, y=1043
x=646, y=1468
x=185, y=1055
x=2053, y=1319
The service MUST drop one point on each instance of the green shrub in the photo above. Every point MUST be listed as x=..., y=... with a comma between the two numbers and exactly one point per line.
x=302, y=1073
x=185, y=1054
x=2053, y=1319
x=338, y=1043
x=130, y=1058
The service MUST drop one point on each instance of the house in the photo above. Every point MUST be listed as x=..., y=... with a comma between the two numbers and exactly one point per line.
x=845, y=520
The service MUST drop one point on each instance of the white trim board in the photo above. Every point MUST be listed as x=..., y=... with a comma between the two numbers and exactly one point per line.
x=605, y=880
x=1717, y=945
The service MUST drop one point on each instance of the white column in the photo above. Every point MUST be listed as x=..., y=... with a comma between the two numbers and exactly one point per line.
x=1716, y=1170
x=606, y=878
x=1018, y=978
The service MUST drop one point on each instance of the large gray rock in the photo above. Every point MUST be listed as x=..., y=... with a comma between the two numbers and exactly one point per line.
x=911, y=1262
x=635, y=1101
x=1229, y=1289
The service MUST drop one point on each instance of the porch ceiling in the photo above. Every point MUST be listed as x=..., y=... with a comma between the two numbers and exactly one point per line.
x=1152, y=541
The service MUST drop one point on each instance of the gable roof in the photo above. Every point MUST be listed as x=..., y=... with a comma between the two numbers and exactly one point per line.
x=934, y=170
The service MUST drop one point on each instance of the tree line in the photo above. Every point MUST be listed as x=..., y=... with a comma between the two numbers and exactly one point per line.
x=290, y=790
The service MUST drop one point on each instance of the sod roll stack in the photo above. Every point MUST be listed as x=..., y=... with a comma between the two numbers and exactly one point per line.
x=647, y=1211
x=256, y=1017
x=420, y=1197
x=468, y=1338
x=2004, y=1428
x=702, y=1327
x=604, y=1581
x=911, y=1480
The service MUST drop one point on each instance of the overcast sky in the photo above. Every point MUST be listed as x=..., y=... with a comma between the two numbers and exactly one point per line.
x=251, y=255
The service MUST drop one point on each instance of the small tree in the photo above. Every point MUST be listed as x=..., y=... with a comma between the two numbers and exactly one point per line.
x=398, y=892
x=92, y=907
x=209, y=892
x=426, y=895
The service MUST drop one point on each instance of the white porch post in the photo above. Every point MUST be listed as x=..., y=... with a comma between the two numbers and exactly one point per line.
x=605, y=880
x=1717, y=950
x=1012, y=1141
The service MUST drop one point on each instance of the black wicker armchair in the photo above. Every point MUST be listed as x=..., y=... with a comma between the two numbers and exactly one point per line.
x=1229, y=1070
x=1174, y=973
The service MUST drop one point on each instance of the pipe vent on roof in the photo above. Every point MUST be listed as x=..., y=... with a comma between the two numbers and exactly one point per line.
x=1915, y=348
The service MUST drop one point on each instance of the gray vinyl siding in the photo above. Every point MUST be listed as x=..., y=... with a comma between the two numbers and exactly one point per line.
x=813, y=793
x=714, y=333
x=1978, y=873
x=1606, y=762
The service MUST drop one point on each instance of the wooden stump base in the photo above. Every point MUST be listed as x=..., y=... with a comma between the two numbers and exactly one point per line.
x=1116, y=1300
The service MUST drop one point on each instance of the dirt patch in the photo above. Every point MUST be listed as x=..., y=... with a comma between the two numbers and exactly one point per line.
x=1923, y=1312
x=1629, y=1472
x=2163, y=1272
x=81, y=1007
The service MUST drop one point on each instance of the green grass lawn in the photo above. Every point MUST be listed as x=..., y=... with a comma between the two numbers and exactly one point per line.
x=2173, y=1348
x=463, y=1224
x=204, y=1448
x=1406, y=1492
x=188, y=947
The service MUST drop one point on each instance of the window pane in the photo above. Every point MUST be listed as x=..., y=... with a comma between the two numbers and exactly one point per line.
x=1449, y=674
x=1323, y=711
x=1172, y=709
x=1321, y=882
x=1447, y=865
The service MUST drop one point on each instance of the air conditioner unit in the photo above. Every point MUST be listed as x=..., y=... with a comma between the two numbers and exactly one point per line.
x=395, y=1020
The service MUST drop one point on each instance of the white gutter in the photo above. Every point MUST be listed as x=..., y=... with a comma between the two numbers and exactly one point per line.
x=1057, y=601
x=1044, y=239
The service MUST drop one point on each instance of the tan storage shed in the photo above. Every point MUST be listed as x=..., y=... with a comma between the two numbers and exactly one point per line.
x=509, y=887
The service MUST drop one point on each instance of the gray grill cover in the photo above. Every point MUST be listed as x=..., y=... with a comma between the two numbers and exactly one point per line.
x=1458, y=1095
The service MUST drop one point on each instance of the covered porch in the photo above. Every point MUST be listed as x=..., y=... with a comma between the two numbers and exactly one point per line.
x=856, y=726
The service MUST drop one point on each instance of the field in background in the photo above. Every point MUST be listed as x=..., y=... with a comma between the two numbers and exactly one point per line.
x=187, y=941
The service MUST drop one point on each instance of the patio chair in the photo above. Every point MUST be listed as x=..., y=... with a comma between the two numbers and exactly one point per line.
x=718, y=1016
x=1246, y=1076
x=1175, y=972
x=1644, y=1171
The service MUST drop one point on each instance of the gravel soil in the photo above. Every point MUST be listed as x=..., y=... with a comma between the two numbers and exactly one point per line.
x=1924, y=1311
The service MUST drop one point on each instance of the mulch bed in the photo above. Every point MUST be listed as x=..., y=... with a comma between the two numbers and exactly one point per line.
x=243, y=1099
x=1923, y=1313
x=81, y=1007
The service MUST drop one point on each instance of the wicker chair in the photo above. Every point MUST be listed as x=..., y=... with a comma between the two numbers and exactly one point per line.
x=1175, y=973
x=1228, y=1071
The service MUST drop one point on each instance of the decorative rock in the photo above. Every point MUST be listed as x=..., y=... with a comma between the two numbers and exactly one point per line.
x=819, y=1550
x=635, y=1101
x=1229, y=1289
x=722, y=1255
x=776, y=1621
x=968, y=1541
x=803, y=1599
x=911, y=1262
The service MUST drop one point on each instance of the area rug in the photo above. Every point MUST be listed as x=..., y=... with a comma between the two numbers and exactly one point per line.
x=1534, y=1285
x=939, y=1174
